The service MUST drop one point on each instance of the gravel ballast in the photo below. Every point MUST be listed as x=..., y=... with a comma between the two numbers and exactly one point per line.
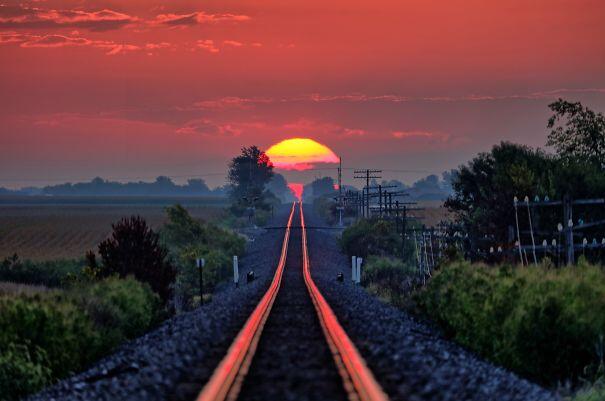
x=410, y=360
x=175, y=360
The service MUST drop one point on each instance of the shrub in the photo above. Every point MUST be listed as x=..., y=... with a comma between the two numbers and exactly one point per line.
x=389, y=278
x=48, y=336
x=20, y=374
x=371, y=237
x=539, y=322
x=120, y=309
x=51, y=323
x=189, y=239
x=134, y=249
x=48, y=273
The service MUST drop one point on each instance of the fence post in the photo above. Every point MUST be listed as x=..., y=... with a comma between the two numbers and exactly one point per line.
x=353, y=268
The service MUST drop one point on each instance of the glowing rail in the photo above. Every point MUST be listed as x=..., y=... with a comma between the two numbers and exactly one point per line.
x=358, y=380
x=227, y=379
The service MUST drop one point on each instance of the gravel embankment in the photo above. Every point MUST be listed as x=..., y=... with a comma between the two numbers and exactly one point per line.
x=175, y=360
x=411, y=361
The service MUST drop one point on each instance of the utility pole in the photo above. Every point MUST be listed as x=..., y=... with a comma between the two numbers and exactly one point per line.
x=340, y=200
x=368, y=175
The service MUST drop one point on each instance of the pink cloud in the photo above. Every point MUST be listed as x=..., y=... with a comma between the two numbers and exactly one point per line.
x=208, y=45
x=233, y=43
x=58, y=41
x=413, y=134
x=195, y=18
x=36, y=18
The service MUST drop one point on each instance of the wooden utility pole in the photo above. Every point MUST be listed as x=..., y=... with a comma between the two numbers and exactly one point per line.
x=369, y=174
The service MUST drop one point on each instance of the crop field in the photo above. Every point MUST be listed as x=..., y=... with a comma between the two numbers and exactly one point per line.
x=66, y=228
x=433, y=213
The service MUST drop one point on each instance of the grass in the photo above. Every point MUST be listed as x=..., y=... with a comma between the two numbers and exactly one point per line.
x=67, y=231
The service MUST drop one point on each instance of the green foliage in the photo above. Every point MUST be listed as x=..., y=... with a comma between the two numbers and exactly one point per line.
x=47, y=336
x=134, y=249
x=595, y=392
x=389, y=278
x=54, y=273
x=189, y=239
x=484, y=189
x=120, y=309
x=51, y=323
x=371, y=237
x=20, y=374
x=581, y=136
x=541, y=323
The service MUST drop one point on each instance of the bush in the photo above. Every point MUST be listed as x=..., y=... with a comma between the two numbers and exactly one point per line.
x=134, y=249
x=48, y=273
x=371, y=237
x=48, y=336
x=20, y=374
x=539, y=322
x=120, y=309
x=389, y=278
x=189, y=239
x=50, y=323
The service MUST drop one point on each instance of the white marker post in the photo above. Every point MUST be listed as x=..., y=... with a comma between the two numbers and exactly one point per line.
x=358, y=272
x=353, y=268
x=235, y=271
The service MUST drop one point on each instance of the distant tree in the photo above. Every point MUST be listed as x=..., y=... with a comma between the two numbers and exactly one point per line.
x=428, y=183
x=134, y=249
x=577, y=132
x=248, y=174
x=448, y=177
x=279, y=187
x=323, y=186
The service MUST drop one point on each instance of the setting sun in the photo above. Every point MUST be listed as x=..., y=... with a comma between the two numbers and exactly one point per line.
x=300, y=154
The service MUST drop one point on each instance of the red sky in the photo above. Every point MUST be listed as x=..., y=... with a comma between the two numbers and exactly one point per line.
x=134, y=89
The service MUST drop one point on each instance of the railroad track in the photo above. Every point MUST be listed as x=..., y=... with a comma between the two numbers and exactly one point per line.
x=292, y=345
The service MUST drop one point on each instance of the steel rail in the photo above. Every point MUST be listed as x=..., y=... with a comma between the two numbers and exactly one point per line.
x=359, y=382
x=226, y=381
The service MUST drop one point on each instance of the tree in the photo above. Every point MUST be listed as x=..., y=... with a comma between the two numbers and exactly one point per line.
x=248, y=174
x=484, y=189
x=577, y=132
x=279, y=187
x=134, y=249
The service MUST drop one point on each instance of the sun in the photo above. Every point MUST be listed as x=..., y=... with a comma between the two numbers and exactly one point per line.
x=300, y=154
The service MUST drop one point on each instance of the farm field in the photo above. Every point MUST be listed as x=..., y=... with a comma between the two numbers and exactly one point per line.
x=433, y=212
x=39, y=228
